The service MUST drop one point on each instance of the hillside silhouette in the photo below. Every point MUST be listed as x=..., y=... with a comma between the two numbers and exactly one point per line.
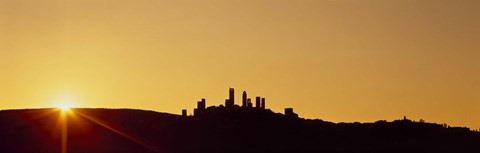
x=218, y=129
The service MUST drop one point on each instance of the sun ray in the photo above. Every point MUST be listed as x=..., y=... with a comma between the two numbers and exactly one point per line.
x=64, y=128
x=100, y=123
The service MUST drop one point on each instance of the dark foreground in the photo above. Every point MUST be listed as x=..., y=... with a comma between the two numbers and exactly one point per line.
x=218, y=130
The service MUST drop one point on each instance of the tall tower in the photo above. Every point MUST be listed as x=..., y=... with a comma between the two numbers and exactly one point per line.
x=201, y=104
x=263, y=103
x=230, y=102
x=232, y=95
x=257, y=102
x=244, y=99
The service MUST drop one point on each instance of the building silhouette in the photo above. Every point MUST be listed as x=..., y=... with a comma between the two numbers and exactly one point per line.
x=244, y=99
x=289, y=113
x=230, y=102
x=202, y=104
x=200, y=107
x=184, y=112
x=257, y=102
x=263, y=103
x=231, y=95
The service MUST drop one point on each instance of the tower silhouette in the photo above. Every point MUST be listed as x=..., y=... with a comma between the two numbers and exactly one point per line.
x=257, y=102
x=232, y=95
x=202, y=104
x=244, y=99
x=230, y=102
x=263, y=103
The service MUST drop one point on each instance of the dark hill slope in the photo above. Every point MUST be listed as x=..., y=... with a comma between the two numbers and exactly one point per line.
x=218, y=130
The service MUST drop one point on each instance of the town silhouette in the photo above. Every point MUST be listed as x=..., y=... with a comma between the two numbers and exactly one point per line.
x=219, y=129
x=230, y=106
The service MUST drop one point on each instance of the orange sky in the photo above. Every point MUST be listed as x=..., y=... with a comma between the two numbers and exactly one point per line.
x=338, y=60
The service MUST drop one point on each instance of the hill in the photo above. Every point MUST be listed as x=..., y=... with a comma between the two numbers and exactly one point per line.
x=217, y=130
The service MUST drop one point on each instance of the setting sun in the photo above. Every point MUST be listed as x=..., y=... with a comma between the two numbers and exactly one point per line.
x=64, y=106
x=64, y=103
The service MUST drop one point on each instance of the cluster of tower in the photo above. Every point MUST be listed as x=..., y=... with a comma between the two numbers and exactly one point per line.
x=230, y=104
x=247, y=102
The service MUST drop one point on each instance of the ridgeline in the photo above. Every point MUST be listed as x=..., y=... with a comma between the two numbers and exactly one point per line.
x=217, y=129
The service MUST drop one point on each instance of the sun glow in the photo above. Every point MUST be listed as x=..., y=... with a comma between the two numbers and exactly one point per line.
x=64, y=107
x=64, y=103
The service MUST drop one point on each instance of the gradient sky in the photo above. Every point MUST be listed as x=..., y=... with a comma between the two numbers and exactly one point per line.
x=337, y=60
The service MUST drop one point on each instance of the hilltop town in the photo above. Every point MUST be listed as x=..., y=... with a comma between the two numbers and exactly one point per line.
x=230, y=105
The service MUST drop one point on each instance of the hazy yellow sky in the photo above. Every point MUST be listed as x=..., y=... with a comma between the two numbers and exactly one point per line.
x=338, y=60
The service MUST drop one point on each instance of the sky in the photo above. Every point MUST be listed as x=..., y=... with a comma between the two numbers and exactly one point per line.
x=336, y=60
